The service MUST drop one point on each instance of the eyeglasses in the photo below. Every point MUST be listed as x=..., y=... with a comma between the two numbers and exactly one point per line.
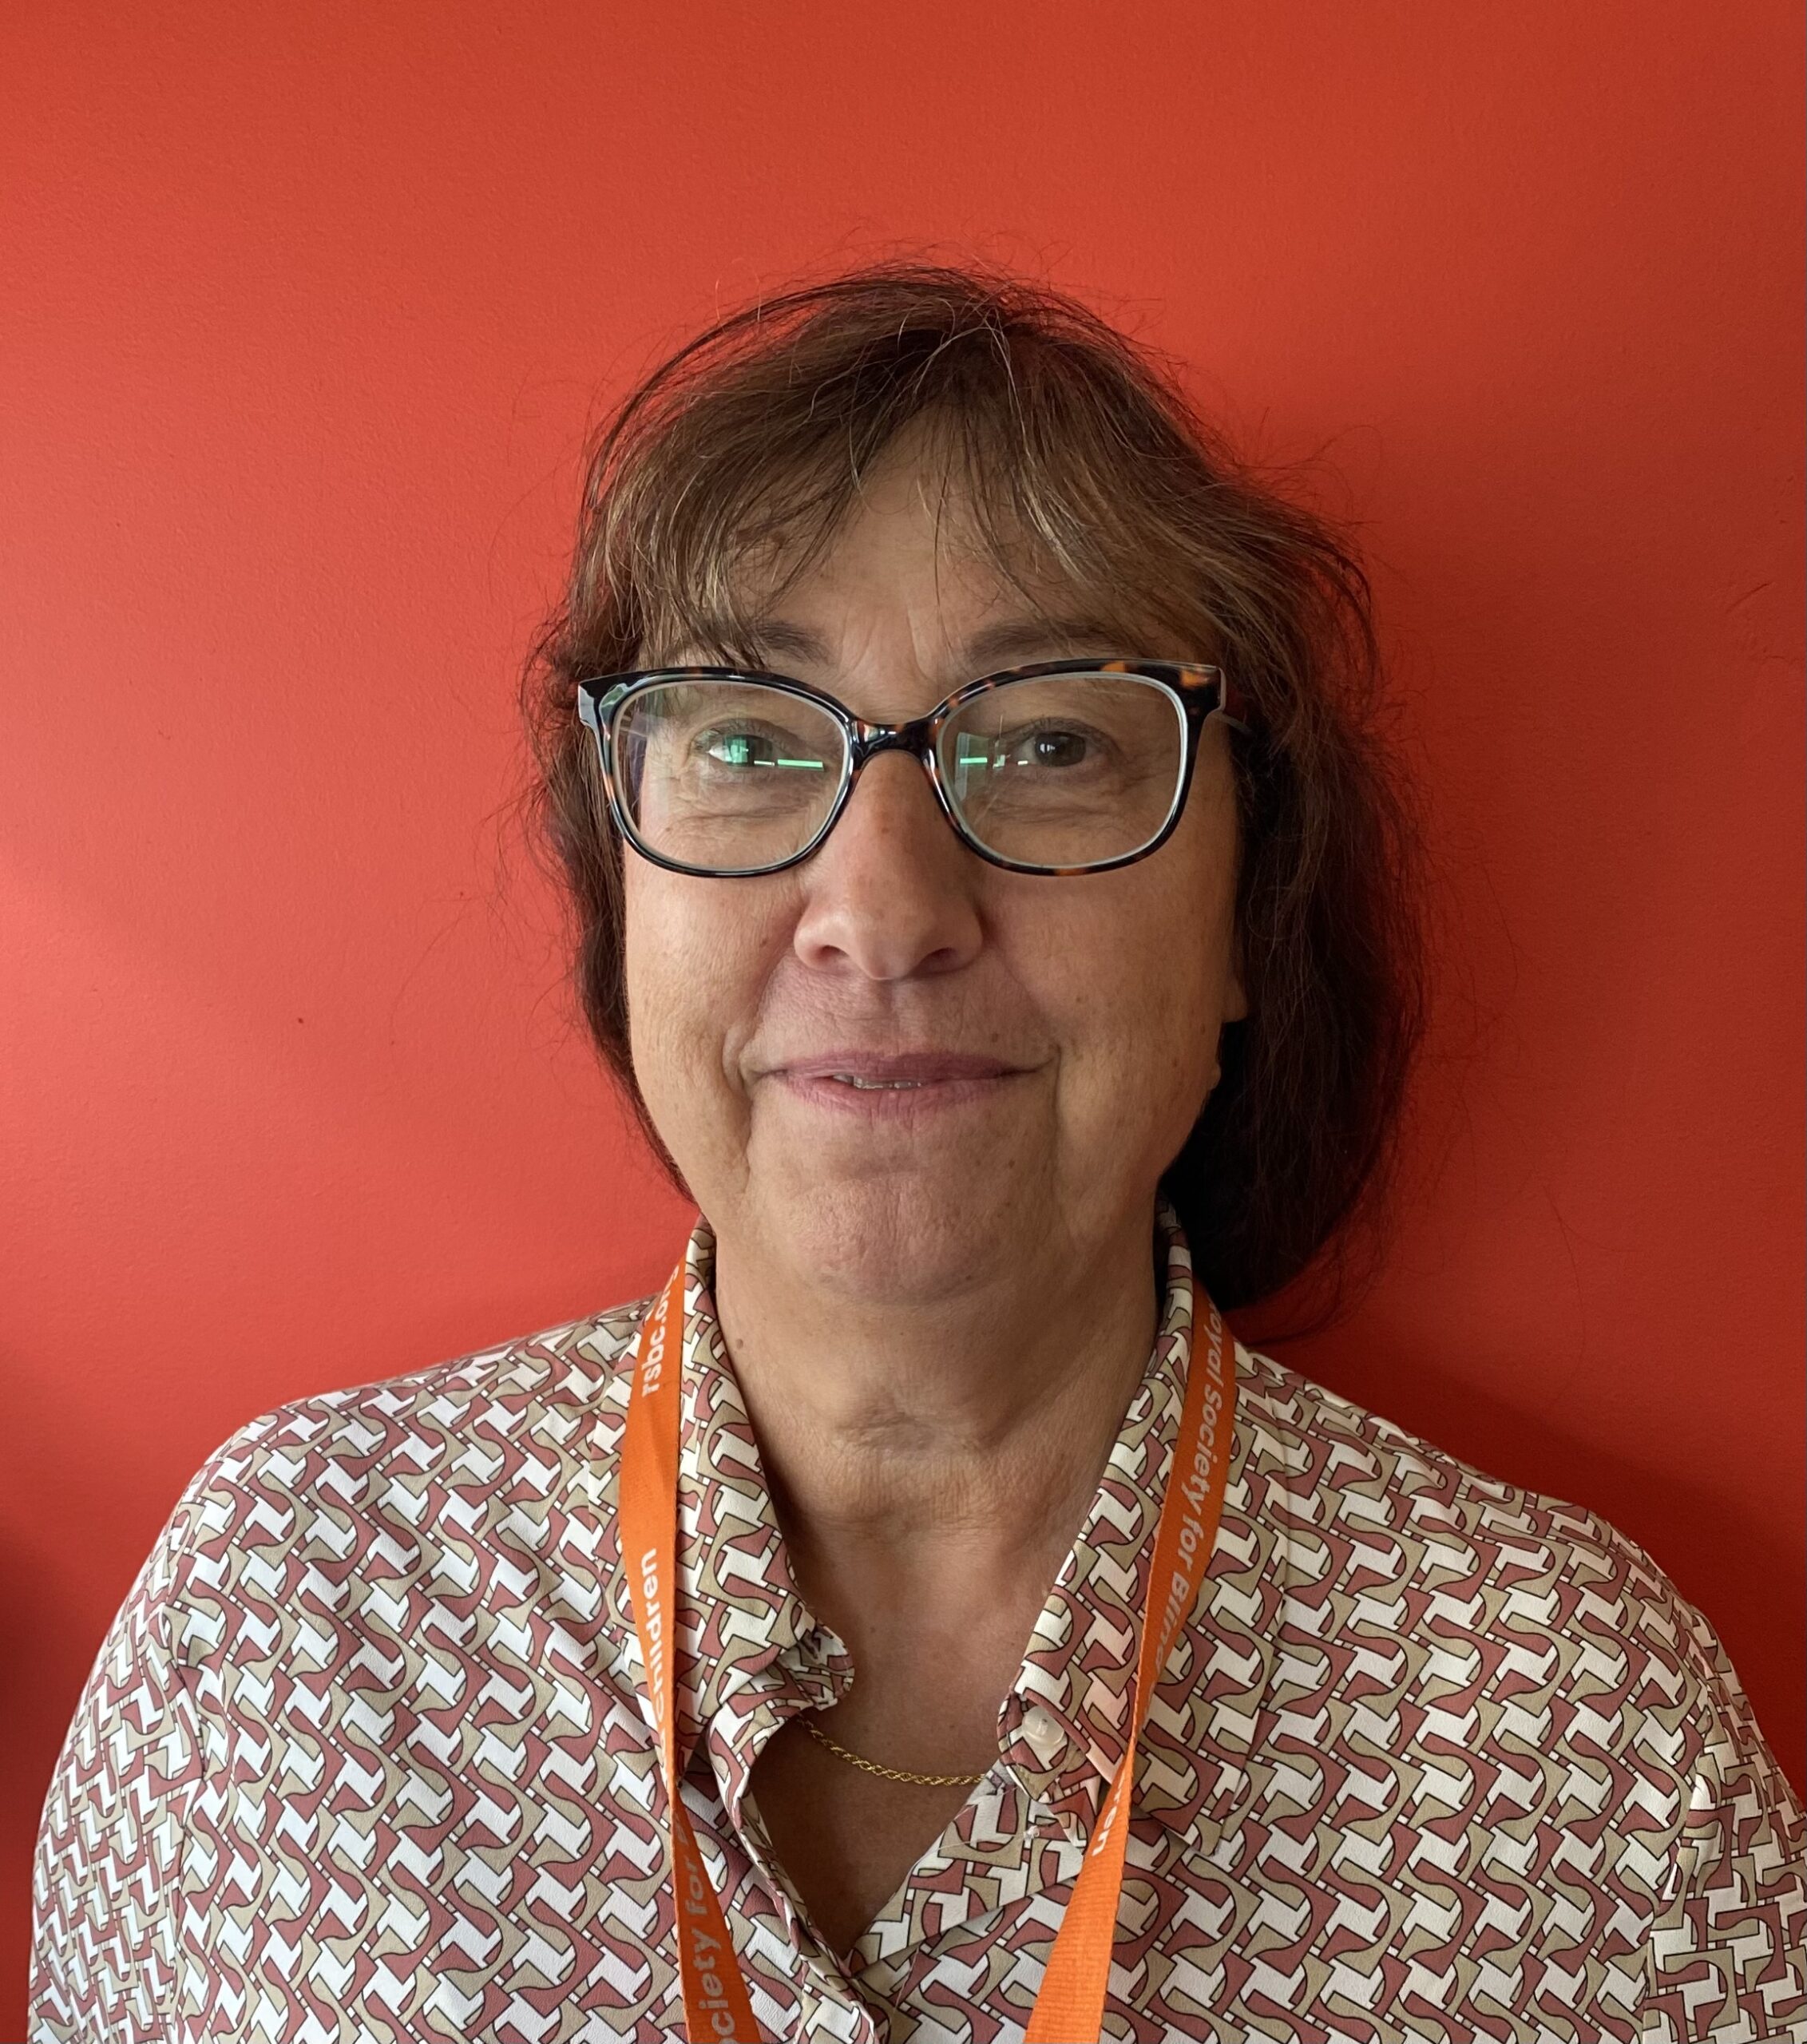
x=1066, y=766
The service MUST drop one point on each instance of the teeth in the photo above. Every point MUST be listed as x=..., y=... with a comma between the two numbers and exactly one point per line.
x=878, y=1085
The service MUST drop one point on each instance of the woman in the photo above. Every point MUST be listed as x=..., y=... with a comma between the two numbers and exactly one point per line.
x=930, y=1528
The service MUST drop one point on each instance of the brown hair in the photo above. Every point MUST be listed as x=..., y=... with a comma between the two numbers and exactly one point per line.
x=1077, y=456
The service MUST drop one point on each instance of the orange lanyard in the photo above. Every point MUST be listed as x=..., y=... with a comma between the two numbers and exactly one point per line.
x=1071, y=2004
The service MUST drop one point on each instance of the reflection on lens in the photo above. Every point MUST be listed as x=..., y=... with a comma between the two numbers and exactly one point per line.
x=726, y=774
x=1065, y=770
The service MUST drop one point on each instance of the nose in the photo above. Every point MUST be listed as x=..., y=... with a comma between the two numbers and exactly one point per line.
x=891, y=893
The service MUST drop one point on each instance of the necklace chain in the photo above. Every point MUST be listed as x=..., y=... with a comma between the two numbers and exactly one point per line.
x=890, y=1773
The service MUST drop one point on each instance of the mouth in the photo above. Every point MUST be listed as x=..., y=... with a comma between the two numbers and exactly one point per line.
x=922, y=1079
x=868, y=1071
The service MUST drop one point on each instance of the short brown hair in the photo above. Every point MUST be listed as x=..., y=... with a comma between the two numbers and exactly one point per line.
x=1077, y=455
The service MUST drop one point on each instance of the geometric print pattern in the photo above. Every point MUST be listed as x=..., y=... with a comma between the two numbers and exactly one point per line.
x=365, y=1755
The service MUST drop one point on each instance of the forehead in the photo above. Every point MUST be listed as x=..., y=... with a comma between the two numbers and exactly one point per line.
x=911, y=535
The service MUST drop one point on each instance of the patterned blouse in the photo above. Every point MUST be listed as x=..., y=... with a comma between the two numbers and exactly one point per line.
x=365, y=1756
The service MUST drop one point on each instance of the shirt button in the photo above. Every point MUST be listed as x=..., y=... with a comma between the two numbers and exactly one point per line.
x=1043, y=1733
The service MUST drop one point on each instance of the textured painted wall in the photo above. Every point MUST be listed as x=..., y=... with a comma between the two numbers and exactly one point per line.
x=305, y=313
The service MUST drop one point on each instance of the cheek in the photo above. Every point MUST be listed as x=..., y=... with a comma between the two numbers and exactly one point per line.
x=1137, y=974
x=698, y=957
x=680, y=964
x=1142, y=1007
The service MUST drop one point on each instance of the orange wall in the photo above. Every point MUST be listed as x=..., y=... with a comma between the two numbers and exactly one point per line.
x=307, y=309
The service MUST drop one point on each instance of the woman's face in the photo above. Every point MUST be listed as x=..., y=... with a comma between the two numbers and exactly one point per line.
x=1061, y=1033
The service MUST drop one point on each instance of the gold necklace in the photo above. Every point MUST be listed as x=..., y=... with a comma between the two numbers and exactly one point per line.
x=891, y=1773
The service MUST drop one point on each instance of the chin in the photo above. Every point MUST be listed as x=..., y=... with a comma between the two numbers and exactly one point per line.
x=900, y=1235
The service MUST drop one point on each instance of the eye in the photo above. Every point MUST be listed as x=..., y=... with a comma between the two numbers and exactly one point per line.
x=749, y=748
x=741, y=748
x=1046, y=748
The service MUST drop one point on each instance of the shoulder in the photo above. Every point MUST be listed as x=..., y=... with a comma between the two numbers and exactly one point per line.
x=320, y=1499
x=1526, y=1696
x=1358, y=1477
x=1500, y=1615
x=1388, y=1506
x=1509, y=1615
x=342, y=1586
x=447, y=1421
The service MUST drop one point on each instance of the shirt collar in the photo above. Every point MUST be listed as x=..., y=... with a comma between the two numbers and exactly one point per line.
x=1065, y=1726
x=751, y=1653
x=742, y=1624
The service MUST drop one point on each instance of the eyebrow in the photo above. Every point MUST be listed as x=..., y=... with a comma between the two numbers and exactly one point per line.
x=1007, y=641
x=1034, y=638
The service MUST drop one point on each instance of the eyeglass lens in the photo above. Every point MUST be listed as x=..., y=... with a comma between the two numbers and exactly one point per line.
x=1056, y=770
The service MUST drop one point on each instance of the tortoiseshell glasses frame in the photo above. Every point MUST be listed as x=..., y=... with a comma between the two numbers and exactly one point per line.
x=1198, y=693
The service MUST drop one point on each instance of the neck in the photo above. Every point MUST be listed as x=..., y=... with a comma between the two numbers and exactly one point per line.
x=979, y=1413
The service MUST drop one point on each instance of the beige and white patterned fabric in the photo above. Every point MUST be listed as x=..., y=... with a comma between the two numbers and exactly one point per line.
x=366, y=1756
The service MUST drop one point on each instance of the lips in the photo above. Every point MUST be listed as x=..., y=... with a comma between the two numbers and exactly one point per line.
x=863, y=1071
x=907, y=1088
